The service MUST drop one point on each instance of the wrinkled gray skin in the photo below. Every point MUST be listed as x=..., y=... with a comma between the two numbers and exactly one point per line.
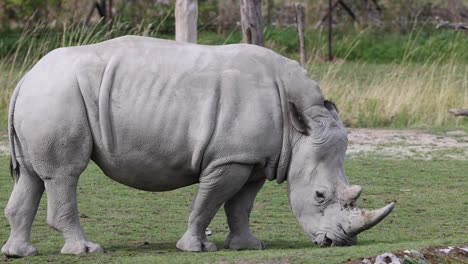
x=159, y=115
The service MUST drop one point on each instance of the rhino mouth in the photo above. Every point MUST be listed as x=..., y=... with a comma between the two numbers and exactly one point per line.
x=329, y=239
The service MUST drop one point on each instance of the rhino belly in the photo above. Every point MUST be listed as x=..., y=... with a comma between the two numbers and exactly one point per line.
x=155, y=177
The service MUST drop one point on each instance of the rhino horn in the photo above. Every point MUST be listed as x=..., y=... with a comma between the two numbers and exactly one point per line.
x=352, y=193
x=362, y=220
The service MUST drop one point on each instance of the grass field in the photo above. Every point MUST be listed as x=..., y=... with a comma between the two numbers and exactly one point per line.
x=431, y=210
x=378, y=80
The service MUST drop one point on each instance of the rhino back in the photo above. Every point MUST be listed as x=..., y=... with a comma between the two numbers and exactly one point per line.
x=160, y=111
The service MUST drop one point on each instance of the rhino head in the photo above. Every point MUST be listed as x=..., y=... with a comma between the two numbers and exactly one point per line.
x=319, y=194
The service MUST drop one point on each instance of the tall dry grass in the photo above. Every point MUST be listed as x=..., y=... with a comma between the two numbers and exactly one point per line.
x=403, y=94
x=397, y=95
x=37, y=40
x=369, y=95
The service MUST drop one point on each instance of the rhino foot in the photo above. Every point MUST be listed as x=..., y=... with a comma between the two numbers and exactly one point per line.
x=243, y=241
x=193, y=244
x=18, y=249
x=81, y=247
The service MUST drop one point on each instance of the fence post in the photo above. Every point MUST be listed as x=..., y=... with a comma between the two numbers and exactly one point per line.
x=186, y=15
x=251, y=21
x=300, y=22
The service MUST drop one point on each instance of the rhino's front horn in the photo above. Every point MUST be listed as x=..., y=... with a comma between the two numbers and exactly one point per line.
x=361, y=220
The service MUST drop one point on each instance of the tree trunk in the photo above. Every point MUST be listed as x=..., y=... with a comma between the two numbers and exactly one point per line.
x=186, y=15
x=103, y=11
x=330, y=26
x=300, y=22
x=251, y=21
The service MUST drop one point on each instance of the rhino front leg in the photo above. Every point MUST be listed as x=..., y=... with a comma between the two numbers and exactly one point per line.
x=20, y=211
x=238, y=210
x=62, y=215
x=217, y=185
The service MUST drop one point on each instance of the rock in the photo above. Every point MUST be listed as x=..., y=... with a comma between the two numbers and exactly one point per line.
x=413, y=257
x=464, y=248
x=387, y=258
x=446, y=250
x=366, y=261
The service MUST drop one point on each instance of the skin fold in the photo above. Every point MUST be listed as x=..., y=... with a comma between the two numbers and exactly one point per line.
x=158, y=115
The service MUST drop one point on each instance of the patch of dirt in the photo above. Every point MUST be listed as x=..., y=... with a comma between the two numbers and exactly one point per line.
x=384, y=143
x=432, y=255
x=402, y=144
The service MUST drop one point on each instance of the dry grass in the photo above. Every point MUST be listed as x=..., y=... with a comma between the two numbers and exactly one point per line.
x=396, y=95
x=369, y=95
x=36, y=41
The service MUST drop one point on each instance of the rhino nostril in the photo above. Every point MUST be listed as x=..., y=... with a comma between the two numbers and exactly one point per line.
x=326, y=242
x=322, y=240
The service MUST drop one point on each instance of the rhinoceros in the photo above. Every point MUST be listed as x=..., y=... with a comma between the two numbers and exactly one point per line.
x=158, y=115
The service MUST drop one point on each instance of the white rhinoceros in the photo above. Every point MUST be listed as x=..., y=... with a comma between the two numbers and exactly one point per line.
x=158, y=115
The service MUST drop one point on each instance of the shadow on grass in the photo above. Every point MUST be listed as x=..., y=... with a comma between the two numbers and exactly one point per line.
x=171, y=246
x=287, y=244
x=143, y=247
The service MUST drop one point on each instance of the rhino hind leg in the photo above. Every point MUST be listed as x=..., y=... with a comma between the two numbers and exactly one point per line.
x=238, y=210
x=20, y=211
x=217, y=185
x=62, y=215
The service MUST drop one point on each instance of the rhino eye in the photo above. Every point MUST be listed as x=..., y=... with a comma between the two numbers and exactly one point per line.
x=319, y=196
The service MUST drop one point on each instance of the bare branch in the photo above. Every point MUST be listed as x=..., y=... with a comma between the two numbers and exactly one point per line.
x=459, y=112
x=446, y=24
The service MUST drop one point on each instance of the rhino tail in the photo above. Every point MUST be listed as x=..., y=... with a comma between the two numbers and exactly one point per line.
x=14, y=164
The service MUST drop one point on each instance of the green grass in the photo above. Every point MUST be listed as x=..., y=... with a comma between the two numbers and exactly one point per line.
x=370, y=45
x=431, y=210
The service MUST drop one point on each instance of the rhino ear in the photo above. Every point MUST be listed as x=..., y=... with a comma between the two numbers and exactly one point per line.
x=297, y=119
x=331, y=106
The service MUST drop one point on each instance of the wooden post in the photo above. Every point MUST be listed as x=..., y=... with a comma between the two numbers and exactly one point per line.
x=330, y=20
x=300, y=22
x=251, y=21
x=186, y=15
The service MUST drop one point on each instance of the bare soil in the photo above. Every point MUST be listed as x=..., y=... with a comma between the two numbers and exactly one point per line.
x=385, y=143
x=403, y=144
